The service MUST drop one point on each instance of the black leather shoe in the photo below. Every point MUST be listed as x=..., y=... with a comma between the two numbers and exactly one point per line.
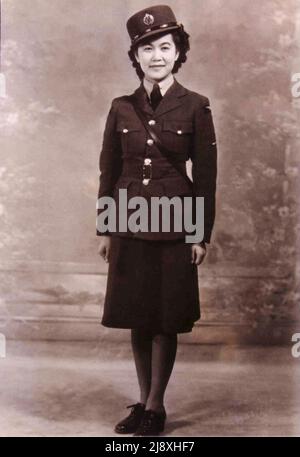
x=131, y=422
x=152, y=423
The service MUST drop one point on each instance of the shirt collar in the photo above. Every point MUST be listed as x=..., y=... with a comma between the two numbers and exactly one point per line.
x=164, y=85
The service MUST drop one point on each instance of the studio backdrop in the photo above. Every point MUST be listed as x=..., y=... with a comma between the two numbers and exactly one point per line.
x=63, y=62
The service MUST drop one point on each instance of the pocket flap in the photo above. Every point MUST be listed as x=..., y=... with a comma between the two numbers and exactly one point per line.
x=176, y=186
x=127, y=127
x=179, y=127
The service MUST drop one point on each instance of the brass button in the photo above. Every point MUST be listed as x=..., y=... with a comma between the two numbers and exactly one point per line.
x=125, y=131
x=147, y=161
x=179, y=132
x=146, y=182
x=152, y=122
x=150, y=142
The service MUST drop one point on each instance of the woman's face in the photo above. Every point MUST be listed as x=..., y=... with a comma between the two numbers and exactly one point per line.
x=157, y=58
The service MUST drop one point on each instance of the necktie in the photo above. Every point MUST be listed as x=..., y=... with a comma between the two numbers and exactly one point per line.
x=155, y=96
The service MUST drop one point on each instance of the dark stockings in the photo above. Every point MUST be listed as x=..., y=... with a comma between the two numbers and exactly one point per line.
x=154, y=356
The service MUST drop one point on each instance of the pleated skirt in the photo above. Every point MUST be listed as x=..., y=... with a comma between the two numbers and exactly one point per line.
x=151, y=285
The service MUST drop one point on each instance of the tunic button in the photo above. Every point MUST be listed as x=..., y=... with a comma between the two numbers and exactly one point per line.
x=150, y=142
x=125, y=131
x=147, y=161
x=179, y=132
x=152, y=122
x=146, y=182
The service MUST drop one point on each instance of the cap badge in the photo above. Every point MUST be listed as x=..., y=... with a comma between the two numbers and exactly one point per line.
x=148, y=19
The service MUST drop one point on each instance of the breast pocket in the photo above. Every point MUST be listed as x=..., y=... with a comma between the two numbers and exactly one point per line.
x=177, y=135
x=131, y=136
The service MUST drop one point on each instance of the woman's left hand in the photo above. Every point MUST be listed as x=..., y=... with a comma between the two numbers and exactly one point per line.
x=198, y=253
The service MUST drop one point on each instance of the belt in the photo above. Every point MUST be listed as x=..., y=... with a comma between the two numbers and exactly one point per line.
x=149, y=169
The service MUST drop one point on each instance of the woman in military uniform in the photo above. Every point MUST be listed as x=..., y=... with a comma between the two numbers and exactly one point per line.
x=152, y=285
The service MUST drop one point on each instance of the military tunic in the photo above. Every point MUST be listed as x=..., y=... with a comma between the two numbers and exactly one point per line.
x=152, y=283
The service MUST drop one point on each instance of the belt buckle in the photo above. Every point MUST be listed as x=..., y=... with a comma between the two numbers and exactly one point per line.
x=147, y=171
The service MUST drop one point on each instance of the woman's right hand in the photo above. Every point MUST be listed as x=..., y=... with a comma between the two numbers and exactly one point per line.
x=104, y=247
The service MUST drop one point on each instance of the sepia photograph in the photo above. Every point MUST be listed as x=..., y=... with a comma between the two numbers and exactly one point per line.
x=149, y=221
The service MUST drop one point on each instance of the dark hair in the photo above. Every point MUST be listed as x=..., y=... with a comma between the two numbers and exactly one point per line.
x=182, y=43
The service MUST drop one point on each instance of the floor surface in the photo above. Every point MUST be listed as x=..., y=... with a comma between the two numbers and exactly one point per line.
x=82, y=389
